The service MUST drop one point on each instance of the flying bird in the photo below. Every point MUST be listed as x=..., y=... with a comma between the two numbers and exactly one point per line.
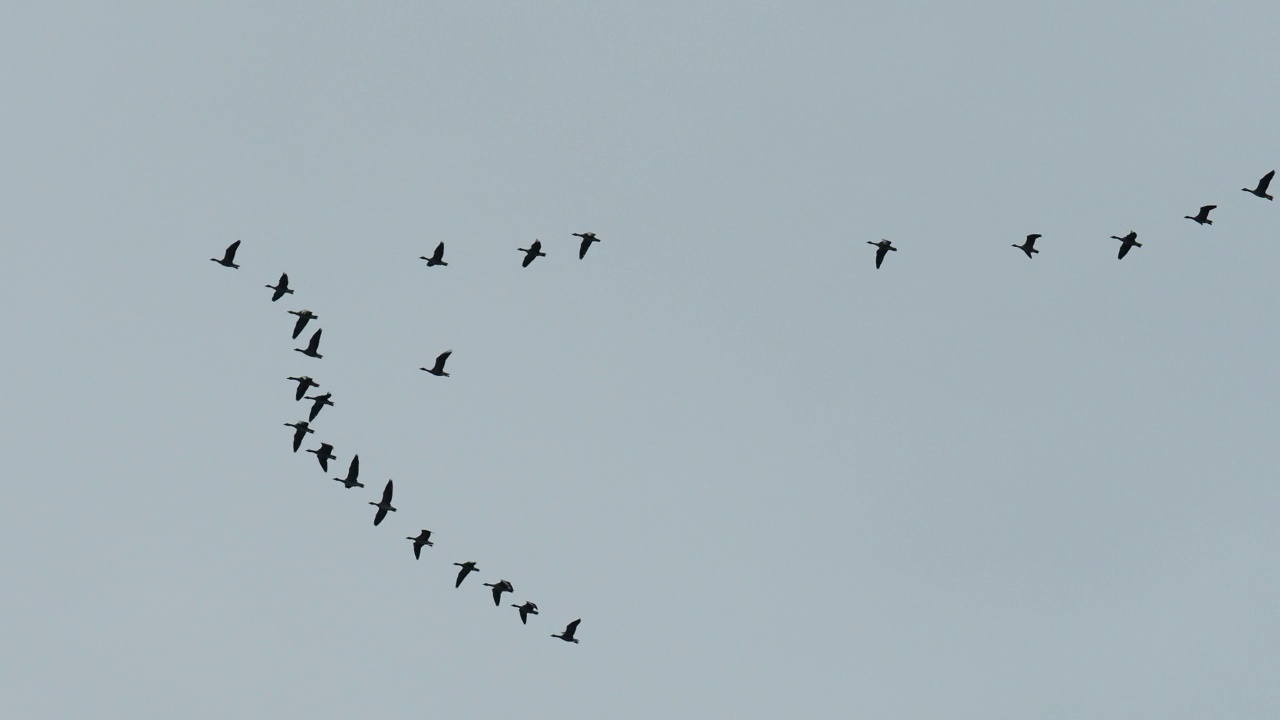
x=319, y=401
x=281, y=288
x=384, y=506
x=468, y=567
x=353, y=472
x=438, y=368
x=498, y=588
x=423, y=538
x=531, y=252
x=324, y=454
x=437, y=257
x=569, y=630
x=229, y=257
x=312, y=347
x=1202, y=217
x=305, y=383
x=1261, y=190
x=1127, y=242
x=304, y=317
x=885, y=246
x=587, y=239
x=300, y=430
x=526, y=610
x=1029, y=246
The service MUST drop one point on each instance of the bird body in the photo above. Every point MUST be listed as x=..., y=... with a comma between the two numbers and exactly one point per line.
x=437, y=257
x=468, y=567
x=384, y=506
x=569, y=631
x=1202, y=217
x=526, y=610
x=423, y=538
x=304, y=317
x=324, y=454
x=281, y=288
x=300, y=430
x=319, y=401
x=229, y=257
x=1029, y=246
x=313, y=347
x=353, y=472
x=1261, y=190
x=1126, y=243
x=305, y=383
x=531, y=252
x=587, y=239
x=884, y=247
x=498, y=588
x=438, y=368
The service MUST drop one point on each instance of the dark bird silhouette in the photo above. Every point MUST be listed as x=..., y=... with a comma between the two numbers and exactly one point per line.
x=281, y=288
x=1029, y=246
x=531, y=252
x=424, y=538
x=319, y=401
x=324, y=454
x=569, y=630
x=304, y=317
x=498, y=588
x=1127, y=242
x=1202, y=217
x=229, y=257
x=587, y=239
x=384, y=506
x=1261, y=190
x=526, y=610
x=305, y=383
x=300, y=430
x=438, y=368
x=437, y=257
x=353, y=472
x=885, y=246
x=312, y=347
x=468, y=567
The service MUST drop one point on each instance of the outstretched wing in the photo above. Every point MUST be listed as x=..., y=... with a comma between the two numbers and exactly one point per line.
x=1124, y=250
x=382, y=512
x=438, y=255
x=386, y=494
x=1265, y=181
x=439, y=367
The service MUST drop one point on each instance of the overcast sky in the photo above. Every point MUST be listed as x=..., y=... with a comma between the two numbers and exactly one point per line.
x=772, y=480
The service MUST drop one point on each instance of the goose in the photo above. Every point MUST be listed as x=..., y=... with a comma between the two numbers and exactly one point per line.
x=281, y=287
x=1261, y=190
x=468, y=567
x=438, y=368
x=569, y=630
x=384, y=506
x=1202, y=217
x=423, y=538
x=885, y=246
x=324, y=454
x=312, y=347
x=531, y=252
x=1029, y=246
x=319, y=402
x=229, y=257
x=526, y=610
x=304, y=317
x=300, y=430
x=437, y=257
x=353, y=472
x=498, y=588
x=305, y=383
x=587, y=239
x=1127, y=242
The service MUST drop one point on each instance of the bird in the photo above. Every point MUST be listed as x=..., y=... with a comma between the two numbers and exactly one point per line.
x=304, y=317
x=1029, y=246
x=281, y=288
x=1261, y=190
x=229, y=257
x=300, y=430
x=324, y=453
x=569, y=630
x=531, y=252
x=384, y=506
x=305, y=383
x=319, y=402
x=468, y=567
x=1128, y=241
x=313, y=346
x=353, y=472
x=423, y=538
x=587, y=239
x=1202, y=217
x=498, y=588
x=526, y=610
x=437, y=257
x=438, y=368
x=885, y=246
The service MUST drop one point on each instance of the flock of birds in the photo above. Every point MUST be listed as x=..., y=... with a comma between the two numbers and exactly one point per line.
x=324, y=453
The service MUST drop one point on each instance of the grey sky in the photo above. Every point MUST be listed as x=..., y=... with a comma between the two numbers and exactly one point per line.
x=772, y=480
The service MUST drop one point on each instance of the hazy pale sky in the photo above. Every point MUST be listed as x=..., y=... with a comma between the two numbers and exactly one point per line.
x=773, y=481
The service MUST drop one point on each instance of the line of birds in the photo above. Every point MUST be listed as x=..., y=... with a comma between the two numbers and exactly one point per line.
x=324, y=453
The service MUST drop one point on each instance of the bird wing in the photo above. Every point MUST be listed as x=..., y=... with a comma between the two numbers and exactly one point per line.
x=438, y=255
x=462, y=574
x=528, y=258
x=315, y=341
x=572, y=628
x=302, y=323
x=386, y=493
x=354, y=471
x=284, y=280
x=884, y=250
x=524, y=614
x=1124, y=250
x=1265, y=181
x=582, y=249
x=230, y=255
x=440, y=360
x=382, y=513
x=1204, y=211
x=537, y=244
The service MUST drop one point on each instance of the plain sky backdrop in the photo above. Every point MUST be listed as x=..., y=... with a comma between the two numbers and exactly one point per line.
x=773, y=481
